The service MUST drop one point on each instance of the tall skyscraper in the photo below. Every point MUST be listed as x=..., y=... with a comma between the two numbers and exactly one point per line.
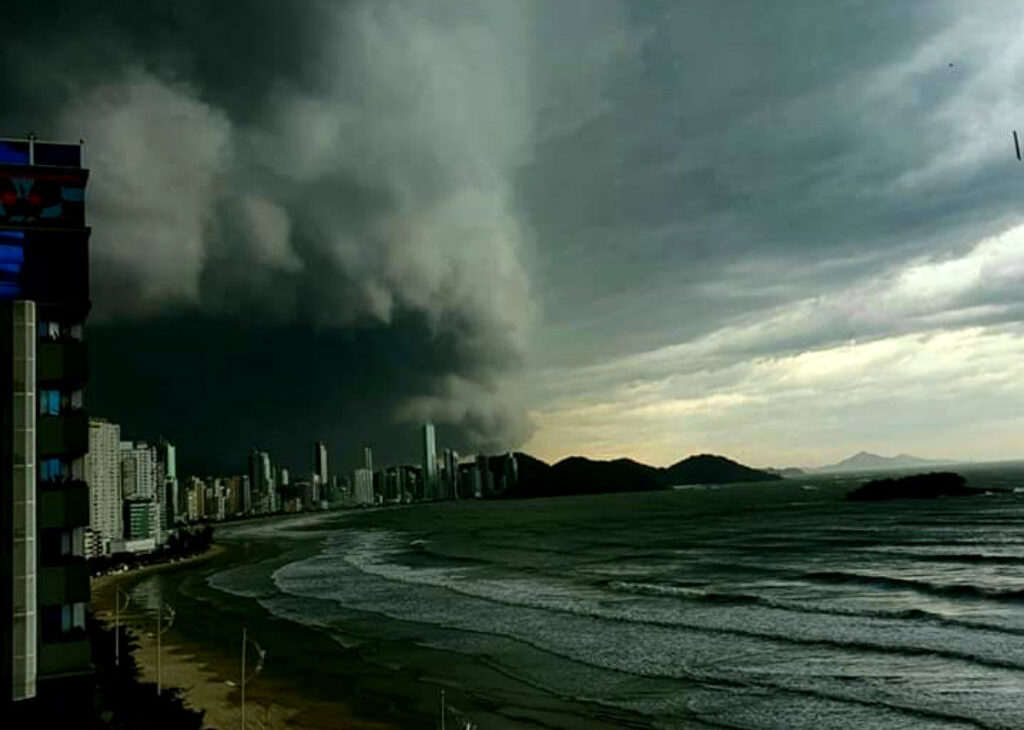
x=167, y=461
x=451, y=474
x=363, y=489
x=233, y=495
x=368, y=458
x=320, y=463
x=483, y=465
x=138, y=469
x=103, y=475
x=245, y=494
x=263, y=494
x=429, y=461
x=44, y=432
x=140, y=481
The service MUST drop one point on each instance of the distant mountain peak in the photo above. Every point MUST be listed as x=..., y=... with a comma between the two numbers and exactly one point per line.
x=867, y=461
x=581, y=475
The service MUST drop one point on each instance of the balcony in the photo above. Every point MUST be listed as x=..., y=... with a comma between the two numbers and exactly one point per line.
x=63, y=658
x=66, y=434
x=64, y=504
x=65, y=362
x=68, y=583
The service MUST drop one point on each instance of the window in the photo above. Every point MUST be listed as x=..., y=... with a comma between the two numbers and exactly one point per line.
x=49, y=330
x=50, y=622
x=12, y=258
x=58, y=622
x=57, y=545
x=49, y=402
x=52, y=470
x=72, y=543
x=57, y=154
x=78, y=615
x=13, y=152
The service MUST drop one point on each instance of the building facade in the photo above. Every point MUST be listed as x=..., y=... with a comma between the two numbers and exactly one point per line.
x=363, y=486
x=167, y=474
x=320, y=463
x=140, y=480
x=262, y=491
x=429, y=461
x=103, y=475
x=44, y=432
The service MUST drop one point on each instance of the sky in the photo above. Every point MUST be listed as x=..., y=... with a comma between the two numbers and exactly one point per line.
x=782, y=232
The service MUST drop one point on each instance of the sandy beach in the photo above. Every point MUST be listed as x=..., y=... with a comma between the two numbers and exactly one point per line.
x=208, y=675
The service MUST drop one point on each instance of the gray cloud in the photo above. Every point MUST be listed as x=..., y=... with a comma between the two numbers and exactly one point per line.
x=338, y=164
x=534, y=202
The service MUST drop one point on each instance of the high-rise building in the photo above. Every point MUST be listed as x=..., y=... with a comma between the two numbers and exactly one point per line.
x=510, y=471
x=44, y=432
x=138, y=469
x=217, y=508
x=140, y=519
x=140, y=479
x=283, y=478
x=368, y=458
x=320, y=463
x=450, y=482
x=233, y=495
x=263, y=493
x=167, y=474
x=103, y=475
x=363, y=489
x=429, y=461
x=483, y=464
x=245, y=495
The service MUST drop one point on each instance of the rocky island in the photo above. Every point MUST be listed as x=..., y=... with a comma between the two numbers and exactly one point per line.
x=916, y=486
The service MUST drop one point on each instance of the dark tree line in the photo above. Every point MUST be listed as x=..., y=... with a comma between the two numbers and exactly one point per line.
x=122, y=701
x=112, y=697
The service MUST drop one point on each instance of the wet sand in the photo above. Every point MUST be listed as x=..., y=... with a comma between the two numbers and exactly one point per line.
x=317, y=675
x=208, y=672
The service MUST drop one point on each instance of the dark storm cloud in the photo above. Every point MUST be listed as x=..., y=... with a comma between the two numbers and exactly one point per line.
x=316, y=187
x=531, y=201
x=222, y=386
x=745, y=145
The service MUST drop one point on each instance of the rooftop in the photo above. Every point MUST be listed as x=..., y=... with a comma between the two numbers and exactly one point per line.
x=32, y=151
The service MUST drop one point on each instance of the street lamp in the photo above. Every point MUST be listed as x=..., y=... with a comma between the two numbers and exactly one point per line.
x=261, y=655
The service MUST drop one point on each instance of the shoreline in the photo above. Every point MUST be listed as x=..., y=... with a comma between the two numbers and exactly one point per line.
x=103, y=582
x=207, y=672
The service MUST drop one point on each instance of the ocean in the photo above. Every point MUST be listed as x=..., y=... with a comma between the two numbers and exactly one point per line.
x=778, y=605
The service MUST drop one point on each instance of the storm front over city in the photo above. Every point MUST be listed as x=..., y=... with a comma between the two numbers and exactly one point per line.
x=512, y=364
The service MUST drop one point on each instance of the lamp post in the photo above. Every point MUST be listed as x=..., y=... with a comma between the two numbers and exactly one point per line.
x=260, y=656
x=160, y=629
x=117, y=622
x=244, y=633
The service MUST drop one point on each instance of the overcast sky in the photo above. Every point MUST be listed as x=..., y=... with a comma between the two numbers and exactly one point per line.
x=783, y=232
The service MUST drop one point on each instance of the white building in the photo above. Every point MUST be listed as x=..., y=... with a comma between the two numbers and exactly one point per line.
x=103, y=475
x=320, y=462
x=167, y=460
x=363, y=490
x=429, y=461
